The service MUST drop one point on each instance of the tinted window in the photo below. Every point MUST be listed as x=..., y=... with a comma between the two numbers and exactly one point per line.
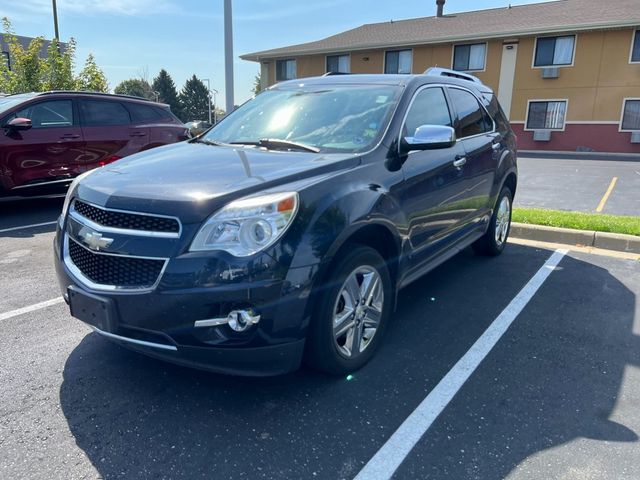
x=97, y=112
x=546, y=115
x=285, y=70
x=631, y=116
x=635, y=54
x=428, y=108
x=338, y=63
x=142, y=113
x=55, y=113
x=469, y=57
x=473, y=119
x=398, y=61
x=552, y=51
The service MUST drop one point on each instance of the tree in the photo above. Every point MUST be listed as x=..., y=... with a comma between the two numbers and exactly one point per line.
x=194, y=98
x=167, y=93
x=257, y=83
x=57, y=68
x=135, y=87
x=30, y=72
x=91, y=78
x=26, y=72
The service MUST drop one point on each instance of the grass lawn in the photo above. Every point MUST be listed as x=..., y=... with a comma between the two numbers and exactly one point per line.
x=578, y=220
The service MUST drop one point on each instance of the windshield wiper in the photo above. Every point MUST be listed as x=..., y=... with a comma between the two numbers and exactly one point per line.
x=274, y=144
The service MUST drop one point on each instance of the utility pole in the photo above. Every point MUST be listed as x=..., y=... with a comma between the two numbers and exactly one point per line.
x=208, y=95
x=228, y=55
x=55, y=20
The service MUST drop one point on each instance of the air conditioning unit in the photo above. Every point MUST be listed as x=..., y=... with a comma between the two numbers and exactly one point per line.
x=635, y=137
x=542, y=135
x=551, y=72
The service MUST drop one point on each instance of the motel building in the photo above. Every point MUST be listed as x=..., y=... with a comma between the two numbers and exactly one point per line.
x=566, y=72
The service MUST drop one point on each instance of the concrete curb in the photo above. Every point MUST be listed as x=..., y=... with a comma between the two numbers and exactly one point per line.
x=619, y=157
x=587, y=238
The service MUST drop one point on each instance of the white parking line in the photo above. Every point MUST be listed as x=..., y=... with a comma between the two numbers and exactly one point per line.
x=387, y=460
x=23, y=227
x=30, y=308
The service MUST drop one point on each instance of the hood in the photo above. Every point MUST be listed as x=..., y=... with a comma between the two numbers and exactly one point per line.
x=191, y=180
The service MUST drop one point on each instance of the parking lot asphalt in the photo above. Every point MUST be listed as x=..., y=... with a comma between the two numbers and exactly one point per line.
x=555, y=398
x=579, y=185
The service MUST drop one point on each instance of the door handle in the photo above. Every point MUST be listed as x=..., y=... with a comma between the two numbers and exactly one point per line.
x=496, y=146
x=459, y=161
x=69, y=136
x=137, y=134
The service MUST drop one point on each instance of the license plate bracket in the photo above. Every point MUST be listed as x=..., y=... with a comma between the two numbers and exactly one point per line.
x=92, y=309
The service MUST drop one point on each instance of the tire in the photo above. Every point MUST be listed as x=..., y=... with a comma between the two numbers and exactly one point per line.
x=492, y=243
x=344, y=336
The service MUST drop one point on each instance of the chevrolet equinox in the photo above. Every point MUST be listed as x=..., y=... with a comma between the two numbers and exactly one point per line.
x=285, y=232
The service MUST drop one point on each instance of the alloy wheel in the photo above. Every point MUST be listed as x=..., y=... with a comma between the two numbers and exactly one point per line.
x=503, y=220
x=357, y=311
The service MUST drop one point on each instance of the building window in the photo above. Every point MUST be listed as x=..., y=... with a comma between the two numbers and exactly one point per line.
x=285, y=70
x=468, y=58
x=546, y=115
x=4, y=58
x=338, y=63
x=635, y=48
x=631, y=115
x=398, y=61
x=554, y=51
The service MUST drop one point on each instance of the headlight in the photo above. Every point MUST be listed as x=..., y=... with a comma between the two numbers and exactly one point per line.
x=248, y=225
x=67, y=199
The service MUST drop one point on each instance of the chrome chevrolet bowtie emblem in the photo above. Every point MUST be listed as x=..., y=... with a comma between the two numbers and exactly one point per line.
x=94, y=240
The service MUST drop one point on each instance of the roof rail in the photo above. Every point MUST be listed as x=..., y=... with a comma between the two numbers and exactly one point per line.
x=331, y=74
x=88, y=92
x=447, y=72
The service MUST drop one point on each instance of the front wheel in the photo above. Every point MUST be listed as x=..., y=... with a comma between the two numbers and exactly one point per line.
x=495, y=239
x=349, y=322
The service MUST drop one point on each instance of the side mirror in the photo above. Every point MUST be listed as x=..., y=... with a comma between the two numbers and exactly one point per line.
x=19, y=123
x=429, y=137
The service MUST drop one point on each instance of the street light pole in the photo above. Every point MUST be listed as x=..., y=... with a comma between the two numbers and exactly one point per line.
x=55, y=20
x=228, y=55
x=208, y=95
x=215, y=92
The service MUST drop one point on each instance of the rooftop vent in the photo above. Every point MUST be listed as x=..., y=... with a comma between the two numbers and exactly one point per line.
x=440, y=4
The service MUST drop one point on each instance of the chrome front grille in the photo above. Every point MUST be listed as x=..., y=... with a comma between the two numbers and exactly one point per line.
x=127, y=221
x=109, y=271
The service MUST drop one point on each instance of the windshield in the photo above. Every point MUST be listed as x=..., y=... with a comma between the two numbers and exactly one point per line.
x=344, y=118
x=7, y=103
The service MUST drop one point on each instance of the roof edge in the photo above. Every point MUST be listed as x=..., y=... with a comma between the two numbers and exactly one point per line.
x=259, y=56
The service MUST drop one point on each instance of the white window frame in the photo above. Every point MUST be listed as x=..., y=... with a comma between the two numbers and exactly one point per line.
x=384, y=60
x=633, y=40
x=486, y=51
x=326, y=60
x=624, y=105
x=295, y=74
x=547, y=100
x=573, y=54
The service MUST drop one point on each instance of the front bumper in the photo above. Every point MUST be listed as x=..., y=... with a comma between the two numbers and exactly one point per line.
x=161, y=323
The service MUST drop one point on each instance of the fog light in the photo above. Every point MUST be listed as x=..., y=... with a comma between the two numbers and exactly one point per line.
x=238, y=320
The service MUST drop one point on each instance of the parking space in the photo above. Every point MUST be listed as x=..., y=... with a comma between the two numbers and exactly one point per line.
x=553, y=399
x=579, y=185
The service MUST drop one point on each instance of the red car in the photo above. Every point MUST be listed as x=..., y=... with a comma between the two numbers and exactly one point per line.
x=50, y=138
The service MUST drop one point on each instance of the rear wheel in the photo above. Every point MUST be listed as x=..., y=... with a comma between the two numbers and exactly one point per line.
x=495, y=239
x=347, y=328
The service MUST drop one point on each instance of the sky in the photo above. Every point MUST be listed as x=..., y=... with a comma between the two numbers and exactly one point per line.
x=134, y=38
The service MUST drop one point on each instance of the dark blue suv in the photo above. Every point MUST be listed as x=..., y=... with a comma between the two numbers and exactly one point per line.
x=285, y=232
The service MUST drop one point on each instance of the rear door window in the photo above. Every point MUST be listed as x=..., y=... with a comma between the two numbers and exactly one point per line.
x=99, y=113
x=429, y=107
x=143, y=113
x=472, y=118
x=50, y=114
